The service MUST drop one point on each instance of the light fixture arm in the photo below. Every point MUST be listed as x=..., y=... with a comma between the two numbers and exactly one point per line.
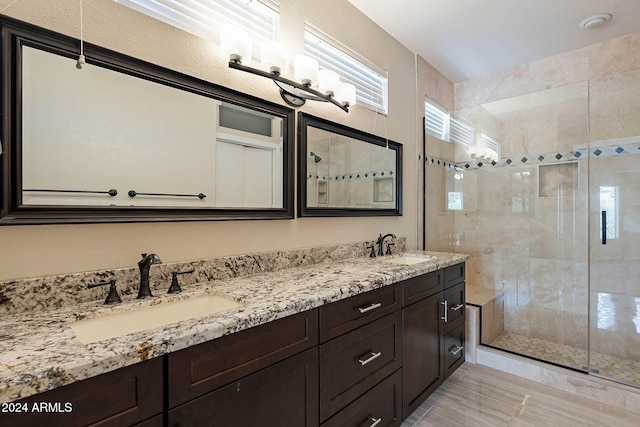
x=292, y=92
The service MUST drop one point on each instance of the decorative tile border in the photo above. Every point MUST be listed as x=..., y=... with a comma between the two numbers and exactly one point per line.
x=351, y=175
x=580, y=153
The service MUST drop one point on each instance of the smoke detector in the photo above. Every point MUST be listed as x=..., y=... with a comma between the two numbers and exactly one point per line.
x=595, y=21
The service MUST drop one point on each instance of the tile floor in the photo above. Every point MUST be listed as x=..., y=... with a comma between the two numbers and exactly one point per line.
x=479, y=396
x=615, y=368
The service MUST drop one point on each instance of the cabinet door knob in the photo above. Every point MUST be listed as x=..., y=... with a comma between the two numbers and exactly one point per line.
x=371, y=358
x=370, y=307
x=376, y=421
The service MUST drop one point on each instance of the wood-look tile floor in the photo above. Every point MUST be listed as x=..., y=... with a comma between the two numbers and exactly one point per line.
x=479, y=396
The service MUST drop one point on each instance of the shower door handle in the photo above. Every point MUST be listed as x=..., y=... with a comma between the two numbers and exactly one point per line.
x=604, y=227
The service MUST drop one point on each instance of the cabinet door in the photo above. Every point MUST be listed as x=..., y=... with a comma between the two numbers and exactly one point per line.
x=454, y=298
x=419, y=287
x=355, y=362
x=348, y=314
x=381, y=406
x=119, y=398
x=284, y=394
x=453, y=350
x=200, y=369
x=423, y=346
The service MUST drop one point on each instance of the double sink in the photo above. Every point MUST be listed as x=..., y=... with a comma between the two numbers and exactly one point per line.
x=120, y=323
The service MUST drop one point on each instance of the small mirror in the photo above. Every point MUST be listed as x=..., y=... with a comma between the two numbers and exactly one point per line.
x=346, y=172
x=123, y=140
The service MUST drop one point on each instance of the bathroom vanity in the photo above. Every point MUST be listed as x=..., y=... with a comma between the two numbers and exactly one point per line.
x=333, y=344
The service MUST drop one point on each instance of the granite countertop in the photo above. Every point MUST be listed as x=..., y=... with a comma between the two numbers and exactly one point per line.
x=39, y=351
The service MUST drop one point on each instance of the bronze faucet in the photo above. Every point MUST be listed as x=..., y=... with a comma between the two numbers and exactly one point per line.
x=381, y=240
x=145, y=265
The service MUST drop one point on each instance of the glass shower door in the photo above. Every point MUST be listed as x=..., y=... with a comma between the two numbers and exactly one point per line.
x=614, y=212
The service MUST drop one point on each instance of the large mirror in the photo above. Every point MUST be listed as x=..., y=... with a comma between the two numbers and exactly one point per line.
x=346, y=172
x=124, y=140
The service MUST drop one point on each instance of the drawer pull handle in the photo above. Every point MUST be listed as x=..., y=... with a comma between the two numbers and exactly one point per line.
x=456, y=349
x=371, y=358
x=446, y=311
x=457, y=307
x=376, y=421
x=370, y=307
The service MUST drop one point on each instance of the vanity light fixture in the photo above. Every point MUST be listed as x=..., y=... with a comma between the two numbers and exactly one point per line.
x=310, y=83
x=81, y=58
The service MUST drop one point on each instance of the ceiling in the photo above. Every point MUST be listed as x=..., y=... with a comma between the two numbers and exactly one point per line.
x=465, y=39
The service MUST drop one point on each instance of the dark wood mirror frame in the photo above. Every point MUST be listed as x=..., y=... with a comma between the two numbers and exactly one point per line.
x=16, y=34
x=305, y=121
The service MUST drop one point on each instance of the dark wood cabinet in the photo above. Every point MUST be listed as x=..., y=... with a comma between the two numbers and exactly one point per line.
x=123, y=397
x=345, y=315
x=423, y=346
x=356, y=361
x=197, y=370
x=381, y=406
x=284, y=394
x=433, y=328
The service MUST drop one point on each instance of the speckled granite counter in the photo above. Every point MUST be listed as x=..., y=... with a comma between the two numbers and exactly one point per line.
x=39, y=351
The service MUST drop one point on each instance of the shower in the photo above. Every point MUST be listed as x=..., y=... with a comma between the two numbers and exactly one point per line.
x=552, y=225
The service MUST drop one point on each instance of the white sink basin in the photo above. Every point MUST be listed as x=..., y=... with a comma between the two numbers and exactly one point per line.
x=407, y=259
x=138, y=319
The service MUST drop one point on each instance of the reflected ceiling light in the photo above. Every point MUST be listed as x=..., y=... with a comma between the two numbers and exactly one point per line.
x=595, y=20
x=310, y=83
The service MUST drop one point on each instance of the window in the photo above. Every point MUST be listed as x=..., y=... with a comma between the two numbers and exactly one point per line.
x=436, y=120
x=204, y=18
x=371, y=85
x=609, y=204
x=461, y=132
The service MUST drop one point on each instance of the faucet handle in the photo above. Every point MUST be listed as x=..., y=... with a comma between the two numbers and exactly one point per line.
x=112, y=297
x=389, y=248
x=175, y=286
x=373, y=251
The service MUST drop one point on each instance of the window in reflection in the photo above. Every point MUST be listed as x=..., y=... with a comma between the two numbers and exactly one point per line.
x=609, y=203
x=636, y=317
x=455, y=201
x=606, y=312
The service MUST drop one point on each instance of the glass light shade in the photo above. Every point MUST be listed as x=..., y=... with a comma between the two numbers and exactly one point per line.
x=328, y=81
x=346, y=93
x=305, y=70
x=276, y=57
x=236, y=44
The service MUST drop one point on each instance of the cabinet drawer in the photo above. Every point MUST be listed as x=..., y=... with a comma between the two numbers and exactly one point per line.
x=122, y=397
x=200, y=369
x=454, y=275
x=383, y=402
x=355, y=362
x=453, y=350
x=343, y=316
x=284, y=394
x=420, y=287
x=454, y=298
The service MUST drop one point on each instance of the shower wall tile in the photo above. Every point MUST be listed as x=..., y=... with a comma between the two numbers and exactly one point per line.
x=614, y=56
x=500, y=85
x=559, y=70
x=615, y=112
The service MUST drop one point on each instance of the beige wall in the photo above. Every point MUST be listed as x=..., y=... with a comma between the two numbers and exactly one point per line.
x=29, y=251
